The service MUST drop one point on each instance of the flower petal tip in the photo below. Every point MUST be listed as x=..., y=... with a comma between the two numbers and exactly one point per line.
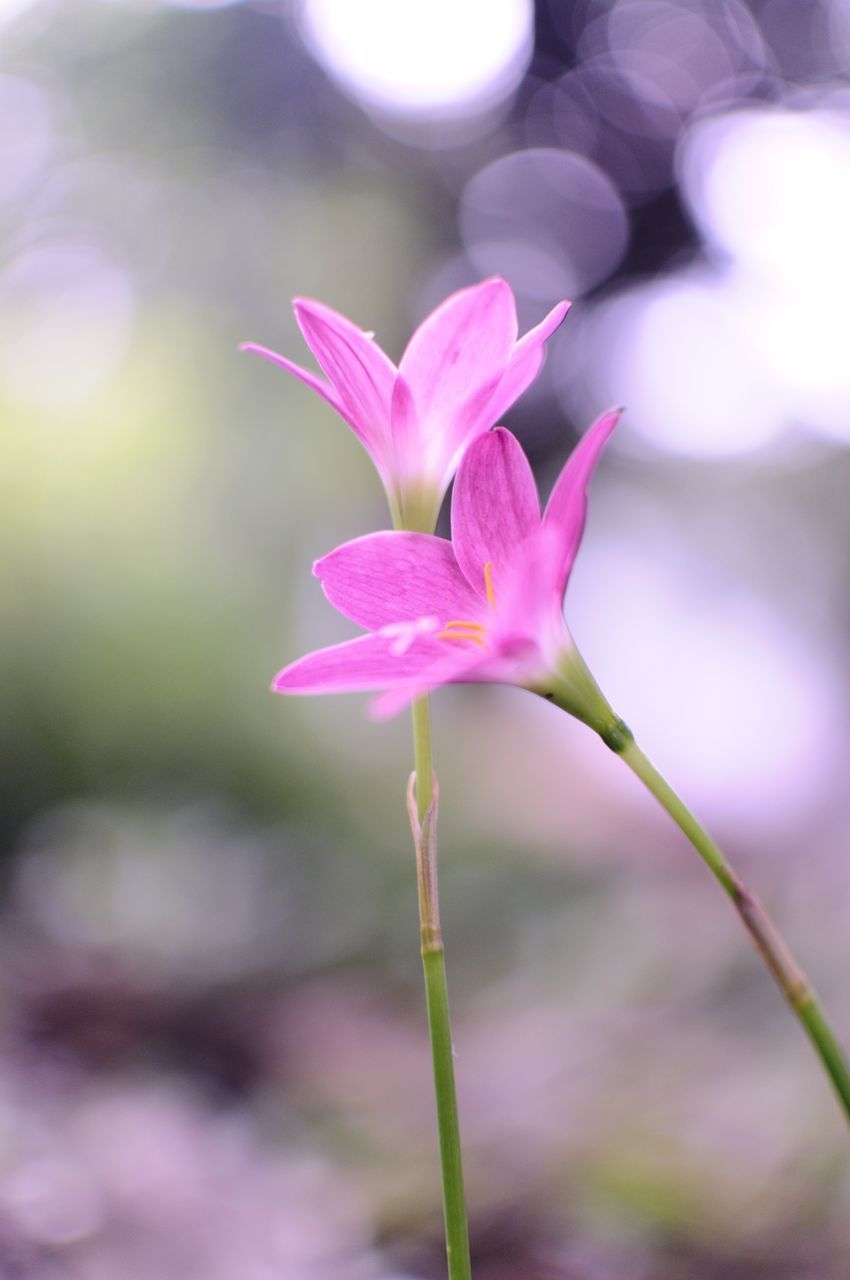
x=318, y=311
x=309, y=309
x=283, y=683
x=607, y=421
x=375, y=711
x=387, y=705
x=491, y=285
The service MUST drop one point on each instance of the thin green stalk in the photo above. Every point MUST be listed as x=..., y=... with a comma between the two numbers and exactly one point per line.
x=769, y=942
x=454, y=1204
x=422, y=807
x=422, y=755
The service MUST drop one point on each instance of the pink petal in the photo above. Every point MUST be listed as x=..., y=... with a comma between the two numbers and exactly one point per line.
x=385, y=578
x=474, y=420
x=410, y=452
x=528, y=604
x=467, y=666
x=369, y=662
x=324, y=389
x=566, y=510
x=528, y=630
x=362, y=375
x=461, y=349
x=524, y=364
x=494, y=507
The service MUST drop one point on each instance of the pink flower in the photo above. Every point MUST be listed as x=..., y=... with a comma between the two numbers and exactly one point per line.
x=462, y=369
x=486, y=606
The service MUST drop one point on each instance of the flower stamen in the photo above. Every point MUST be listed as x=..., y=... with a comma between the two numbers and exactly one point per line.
x=457, y=630
x=488, y=583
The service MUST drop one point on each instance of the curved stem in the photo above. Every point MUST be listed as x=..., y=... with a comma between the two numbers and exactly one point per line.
x=769, y=942
x=422, y=808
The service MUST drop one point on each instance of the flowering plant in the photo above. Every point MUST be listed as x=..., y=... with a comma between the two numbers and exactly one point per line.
x=485, y=606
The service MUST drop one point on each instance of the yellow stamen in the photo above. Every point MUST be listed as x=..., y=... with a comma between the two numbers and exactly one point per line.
x=488, y=582
x=475, y=636
x=467, y=626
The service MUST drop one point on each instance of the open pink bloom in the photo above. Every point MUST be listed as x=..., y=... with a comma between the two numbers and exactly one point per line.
x=486, y=606
x=462, y=369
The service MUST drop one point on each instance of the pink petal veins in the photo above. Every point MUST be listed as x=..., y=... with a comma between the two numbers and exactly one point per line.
x=410, y=450
x=386, y=578
x=495, y=507
x=529, y=599
x=461, y=347
x=491, y=400
x=566, y=510
x=524, y=363
x=360, y=372
x=367, y=663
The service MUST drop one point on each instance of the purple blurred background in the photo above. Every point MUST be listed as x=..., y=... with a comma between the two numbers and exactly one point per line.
x=214, y=1058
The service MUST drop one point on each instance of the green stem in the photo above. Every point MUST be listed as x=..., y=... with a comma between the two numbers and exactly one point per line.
x=769, y=942
x=454, y=1204
x=422, y=756
x=422, y=807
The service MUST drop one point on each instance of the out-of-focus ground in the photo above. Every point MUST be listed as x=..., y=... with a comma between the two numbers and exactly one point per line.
x=214, y=1058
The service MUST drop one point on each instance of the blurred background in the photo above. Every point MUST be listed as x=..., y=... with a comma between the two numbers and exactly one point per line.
x=214, y=1059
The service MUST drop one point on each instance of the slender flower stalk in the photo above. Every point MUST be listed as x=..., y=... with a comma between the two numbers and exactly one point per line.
x=766, y=937
x=422, y=800
x=422, y=806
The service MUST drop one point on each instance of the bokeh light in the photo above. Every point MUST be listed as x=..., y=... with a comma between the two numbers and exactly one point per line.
x=642, y=69
x=719, y=686
x=678, y=353
x=799, y=36
x=770, y=189
x=838, y=31
x=11, y=9
x=424, y=58
x=679, y=50
x=550, y=221
x=25, y=136
x=624, y=122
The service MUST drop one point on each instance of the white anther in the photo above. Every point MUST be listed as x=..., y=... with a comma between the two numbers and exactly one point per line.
x=403, y=634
